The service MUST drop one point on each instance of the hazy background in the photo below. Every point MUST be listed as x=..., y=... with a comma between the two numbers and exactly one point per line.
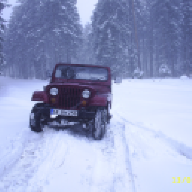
x=85, y=8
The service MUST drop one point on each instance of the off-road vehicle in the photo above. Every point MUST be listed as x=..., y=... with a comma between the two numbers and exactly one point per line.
x=77, y=93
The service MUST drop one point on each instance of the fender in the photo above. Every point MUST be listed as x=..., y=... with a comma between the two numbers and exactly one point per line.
x=40, y=96
x=98, y=100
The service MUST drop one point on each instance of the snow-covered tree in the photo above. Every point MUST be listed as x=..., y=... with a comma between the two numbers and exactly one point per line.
x=186, y=28
x=166, y=30
x=111, y=33
x=3, y=4
x=45, y=33
x=86, y=54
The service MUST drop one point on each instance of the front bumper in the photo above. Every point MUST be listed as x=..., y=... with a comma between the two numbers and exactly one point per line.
x=82, y=115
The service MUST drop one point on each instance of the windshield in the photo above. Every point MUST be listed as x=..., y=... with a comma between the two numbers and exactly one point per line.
x=83, y=73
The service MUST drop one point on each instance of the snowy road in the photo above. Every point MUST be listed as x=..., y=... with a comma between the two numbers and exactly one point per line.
x=57, y=160
x=135, y=155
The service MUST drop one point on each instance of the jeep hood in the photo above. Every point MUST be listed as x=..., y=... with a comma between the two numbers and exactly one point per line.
x=96, y=86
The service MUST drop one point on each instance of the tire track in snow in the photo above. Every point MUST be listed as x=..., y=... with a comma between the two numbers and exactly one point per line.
x=50, y=151
x=113, y=172
x=180, y=148
x=103, y=173
x=55, y=158
x=11, y=153
x=74, y=172
x=122, y=150
x=34, y=154
x=148, y=145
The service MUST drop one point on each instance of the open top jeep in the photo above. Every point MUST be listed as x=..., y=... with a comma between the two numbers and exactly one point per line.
x=77, y=93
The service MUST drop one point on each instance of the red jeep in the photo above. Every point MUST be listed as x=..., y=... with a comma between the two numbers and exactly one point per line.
x=77, y=93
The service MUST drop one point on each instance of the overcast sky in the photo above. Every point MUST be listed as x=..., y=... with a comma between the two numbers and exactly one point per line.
x=85, y=8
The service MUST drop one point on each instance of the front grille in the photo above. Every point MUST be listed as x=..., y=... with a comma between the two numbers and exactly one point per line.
x=69, y=97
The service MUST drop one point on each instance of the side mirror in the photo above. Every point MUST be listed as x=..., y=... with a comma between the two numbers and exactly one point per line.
x=48, y=73
x=118, y=80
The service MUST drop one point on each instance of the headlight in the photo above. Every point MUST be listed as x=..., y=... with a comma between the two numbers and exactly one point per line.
x=86, y=93
x=53, y=91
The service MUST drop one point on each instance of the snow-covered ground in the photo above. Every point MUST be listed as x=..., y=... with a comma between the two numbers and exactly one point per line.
x=147, y=145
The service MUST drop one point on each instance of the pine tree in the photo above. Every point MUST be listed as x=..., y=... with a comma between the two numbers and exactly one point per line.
x=3, y=4
x=166, y=31
x=111, y=32
x=186, y=27
x=86, y=54
x=45, y=33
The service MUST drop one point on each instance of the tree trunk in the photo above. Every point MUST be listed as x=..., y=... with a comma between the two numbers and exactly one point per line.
x=151, y=44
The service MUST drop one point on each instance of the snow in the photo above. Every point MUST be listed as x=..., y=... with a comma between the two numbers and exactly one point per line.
x=184, y=77
x=148, y=142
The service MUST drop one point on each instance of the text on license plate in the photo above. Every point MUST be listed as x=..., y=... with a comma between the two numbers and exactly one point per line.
x=63, y=112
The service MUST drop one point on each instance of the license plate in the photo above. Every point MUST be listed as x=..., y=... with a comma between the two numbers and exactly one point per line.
x=63, y=112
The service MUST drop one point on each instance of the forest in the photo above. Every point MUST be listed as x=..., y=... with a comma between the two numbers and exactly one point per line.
x=124, y=35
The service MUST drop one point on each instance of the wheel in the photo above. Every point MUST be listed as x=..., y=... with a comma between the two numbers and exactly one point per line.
x=99, y=124
x=37, y=121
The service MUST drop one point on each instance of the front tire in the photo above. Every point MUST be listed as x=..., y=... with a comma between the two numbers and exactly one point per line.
x=99, y=124
x=36, y=121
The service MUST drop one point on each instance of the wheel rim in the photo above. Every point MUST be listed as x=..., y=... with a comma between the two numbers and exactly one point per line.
x=32, y=120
